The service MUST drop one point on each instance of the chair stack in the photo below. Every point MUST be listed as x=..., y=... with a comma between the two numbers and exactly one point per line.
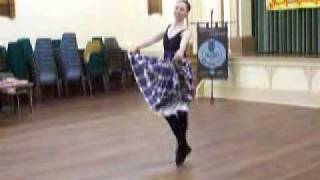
x=46, y=72
x=16, y=62
x=3, y=54
x=94, y=62
x=116, y=58
x=71, y=65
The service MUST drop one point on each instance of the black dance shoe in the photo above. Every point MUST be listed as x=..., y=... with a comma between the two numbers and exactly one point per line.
x=181, y=154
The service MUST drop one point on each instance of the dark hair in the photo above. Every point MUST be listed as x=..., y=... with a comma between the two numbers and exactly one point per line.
x=187, y=4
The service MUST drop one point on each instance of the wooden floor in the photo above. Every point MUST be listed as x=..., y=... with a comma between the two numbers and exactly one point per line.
x=115, y=136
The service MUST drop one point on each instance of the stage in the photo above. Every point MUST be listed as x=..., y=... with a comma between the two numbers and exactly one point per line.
x=271, y=79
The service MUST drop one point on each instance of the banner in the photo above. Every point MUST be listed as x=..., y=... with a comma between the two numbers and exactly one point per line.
x=212, y=52
x=292, y=4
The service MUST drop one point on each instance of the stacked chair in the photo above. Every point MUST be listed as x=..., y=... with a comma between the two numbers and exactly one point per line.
x=116, y=59
x=45, y=69
x=17, y=62
x=26, y=47
x=27, y=53
x=57, y=63
x=70, y=63
x=94, y=63
x=3, y=53
x=57, y=54
x=98, y=38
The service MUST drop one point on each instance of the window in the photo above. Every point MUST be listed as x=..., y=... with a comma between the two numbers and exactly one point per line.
x=154, y=6
x=7, y=8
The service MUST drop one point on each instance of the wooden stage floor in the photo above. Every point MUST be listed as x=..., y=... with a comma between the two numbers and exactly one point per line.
x=115, y=136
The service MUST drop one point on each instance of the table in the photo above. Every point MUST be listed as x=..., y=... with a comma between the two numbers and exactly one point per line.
x=19, y=89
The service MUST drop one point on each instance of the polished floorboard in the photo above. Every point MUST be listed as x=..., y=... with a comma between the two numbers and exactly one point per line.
x=115, y=136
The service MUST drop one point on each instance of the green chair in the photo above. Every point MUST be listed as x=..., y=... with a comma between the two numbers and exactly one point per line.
x=27, y=52
x=3, y=52
x=94, y=63
x=16, y=61
x=26, y=48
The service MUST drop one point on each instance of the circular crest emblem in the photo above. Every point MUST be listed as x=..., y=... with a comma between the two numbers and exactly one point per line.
x=212, y=54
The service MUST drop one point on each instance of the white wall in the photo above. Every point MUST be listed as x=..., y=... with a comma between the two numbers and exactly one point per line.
x=230, y=14
x=208, y=6
x=127, y=20
x=245, y=18
x=233, y=27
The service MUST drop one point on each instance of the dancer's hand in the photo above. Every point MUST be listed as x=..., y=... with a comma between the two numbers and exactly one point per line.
x=179, y=55
x=134, y=50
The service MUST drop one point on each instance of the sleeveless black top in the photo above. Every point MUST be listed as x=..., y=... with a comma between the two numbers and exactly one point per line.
x=171, y=45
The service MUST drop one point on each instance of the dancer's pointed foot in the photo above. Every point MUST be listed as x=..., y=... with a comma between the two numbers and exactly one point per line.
x=182, y=153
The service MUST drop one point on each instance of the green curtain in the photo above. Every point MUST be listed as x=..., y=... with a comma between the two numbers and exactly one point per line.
x=286, y=32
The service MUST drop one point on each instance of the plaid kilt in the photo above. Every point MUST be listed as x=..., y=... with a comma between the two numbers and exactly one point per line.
x=163, y=82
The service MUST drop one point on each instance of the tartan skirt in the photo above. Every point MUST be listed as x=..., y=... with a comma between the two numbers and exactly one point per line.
x=163, y=83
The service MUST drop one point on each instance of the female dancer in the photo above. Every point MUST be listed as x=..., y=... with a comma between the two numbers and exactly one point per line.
x=167, y=84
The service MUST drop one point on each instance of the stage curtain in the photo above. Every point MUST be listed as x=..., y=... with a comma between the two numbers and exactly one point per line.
x=286, y=32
